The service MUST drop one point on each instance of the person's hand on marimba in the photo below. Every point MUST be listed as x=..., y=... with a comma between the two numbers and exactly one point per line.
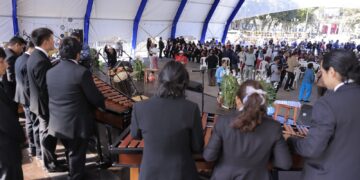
x=289, y=131
x=303, y=131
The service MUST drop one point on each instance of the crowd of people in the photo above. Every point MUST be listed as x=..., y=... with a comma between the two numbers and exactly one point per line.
x=273, y=61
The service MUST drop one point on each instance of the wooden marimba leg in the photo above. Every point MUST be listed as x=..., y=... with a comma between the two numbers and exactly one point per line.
x=134, y=173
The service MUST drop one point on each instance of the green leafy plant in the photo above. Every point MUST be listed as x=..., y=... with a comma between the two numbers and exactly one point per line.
x=94, y=57
x=271, y=92
x=139, y=68
x=229, y=86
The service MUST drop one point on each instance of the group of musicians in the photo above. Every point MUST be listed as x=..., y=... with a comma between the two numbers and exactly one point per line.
x=58, y=101
x=245, y=141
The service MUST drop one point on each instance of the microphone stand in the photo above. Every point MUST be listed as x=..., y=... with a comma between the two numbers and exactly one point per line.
x=107, y=62
x=137, y=92
x=202, y=71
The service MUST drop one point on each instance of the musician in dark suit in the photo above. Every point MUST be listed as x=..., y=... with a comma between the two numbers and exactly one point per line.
x=37, y=66
x=330, y=148
x=11, y=133
x=13, y=51
x=243, y=143
x=22, y=96
x=72, y=98
x=171, y=128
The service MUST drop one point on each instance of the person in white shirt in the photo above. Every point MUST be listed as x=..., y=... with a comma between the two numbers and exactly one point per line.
x=154, y=56
x=241, y=55
x=249, y=63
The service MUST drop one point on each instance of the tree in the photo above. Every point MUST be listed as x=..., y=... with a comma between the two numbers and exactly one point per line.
x=287, y=19
x=352, y=18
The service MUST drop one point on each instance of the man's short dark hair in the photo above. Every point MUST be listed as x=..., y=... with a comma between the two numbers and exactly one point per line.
x=17, y=40
x=76, y=34
x=39, y=35
x=277, y=58
x=69, y=48
x=310, y=65
x=30, y=44
x=2, y=53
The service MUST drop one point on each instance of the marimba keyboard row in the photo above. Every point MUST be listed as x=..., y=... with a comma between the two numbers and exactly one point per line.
x=118, y=106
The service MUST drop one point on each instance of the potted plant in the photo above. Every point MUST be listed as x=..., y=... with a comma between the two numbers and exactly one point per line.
x=94, y=58
x=229, y=86
x=139, y=68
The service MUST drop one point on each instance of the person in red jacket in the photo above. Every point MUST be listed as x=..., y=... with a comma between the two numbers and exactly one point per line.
x=181, y=58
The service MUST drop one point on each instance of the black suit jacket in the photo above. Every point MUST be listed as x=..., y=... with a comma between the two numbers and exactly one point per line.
x=172, y=132
x=8, y=78
x=331, y=148
x=37, y=66
x=161, y=45
x=22, y=93
x=212, y=61
x=72, y=98
x=11, y=133
x=241, y=155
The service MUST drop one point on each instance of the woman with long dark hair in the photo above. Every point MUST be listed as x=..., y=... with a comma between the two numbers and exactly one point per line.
x=242, y=144
x=331, y=147
x=171, y=128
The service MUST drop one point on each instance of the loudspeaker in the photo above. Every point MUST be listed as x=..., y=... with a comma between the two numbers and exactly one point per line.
x=305, y=114
x=195, y=86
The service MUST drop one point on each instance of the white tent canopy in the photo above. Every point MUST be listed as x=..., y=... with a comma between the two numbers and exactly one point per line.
x=115, y=18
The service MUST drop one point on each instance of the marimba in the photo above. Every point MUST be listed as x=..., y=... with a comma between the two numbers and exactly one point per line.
x=117, y=106
x=129, y=150
x=117, y=113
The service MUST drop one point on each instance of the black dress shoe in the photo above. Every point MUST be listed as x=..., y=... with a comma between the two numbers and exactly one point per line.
x=306, y=101
x=58, y=168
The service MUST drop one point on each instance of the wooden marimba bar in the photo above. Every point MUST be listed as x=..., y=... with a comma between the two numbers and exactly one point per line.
x=117, y=105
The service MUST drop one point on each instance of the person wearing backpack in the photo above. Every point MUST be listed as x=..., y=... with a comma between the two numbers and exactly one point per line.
x=274, y=72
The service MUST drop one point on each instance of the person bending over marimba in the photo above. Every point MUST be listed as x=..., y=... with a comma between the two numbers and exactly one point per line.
x=331, y=147
x=243, y=142
x=171, y=128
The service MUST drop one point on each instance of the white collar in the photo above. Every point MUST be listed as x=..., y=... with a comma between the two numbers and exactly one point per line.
x=41, y=49
x=74, y=61
x=27, y=53
x=341, y=84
